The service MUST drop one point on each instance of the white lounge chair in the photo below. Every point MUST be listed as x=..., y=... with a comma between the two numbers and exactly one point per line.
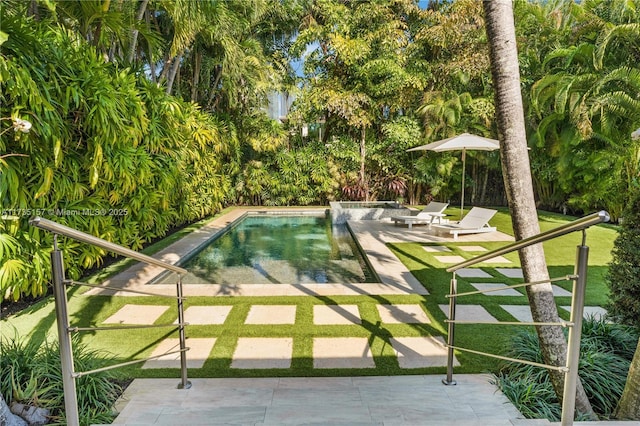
x=432, y=212
x=476, y=221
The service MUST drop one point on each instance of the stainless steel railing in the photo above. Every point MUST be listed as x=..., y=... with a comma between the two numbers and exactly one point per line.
x=69, y=374
x=579, y=279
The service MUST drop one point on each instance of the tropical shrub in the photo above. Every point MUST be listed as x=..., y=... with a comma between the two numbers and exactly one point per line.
x=605, y=355
x=108, y=153
x=624, y=270
x=31, y=374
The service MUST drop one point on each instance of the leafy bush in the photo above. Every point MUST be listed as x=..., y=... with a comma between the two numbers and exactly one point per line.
x=31, y=374
x=605, y=355
x=109, y=153
x=624, y=270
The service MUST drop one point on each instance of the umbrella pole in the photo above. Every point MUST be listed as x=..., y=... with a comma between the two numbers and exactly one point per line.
x=464, y=151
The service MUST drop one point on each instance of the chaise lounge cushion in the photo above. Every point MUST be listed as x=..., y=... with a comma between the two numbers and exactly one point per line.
x=476, y=221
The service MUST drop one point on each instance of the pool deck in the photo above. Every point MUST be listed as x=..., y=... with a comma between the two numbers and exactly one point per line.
x=366, y=400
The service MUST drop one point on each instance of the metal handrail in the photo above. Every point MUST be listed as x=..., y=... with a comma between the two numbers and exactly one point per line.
x=60, y=229
x=576, y=225
x=579, y=278
x=62, y=316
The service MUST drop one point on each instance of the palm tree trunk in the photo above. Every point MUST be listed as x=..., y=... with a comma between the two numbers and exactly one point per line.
x=363, y=153
x=629, y=405
x=171, y=76
x=197, y=65
x=134, y=32
x=519, y=185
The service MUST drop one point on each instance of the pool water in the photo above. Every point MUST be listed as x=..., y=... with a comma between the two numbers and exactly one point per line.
x=273, y=249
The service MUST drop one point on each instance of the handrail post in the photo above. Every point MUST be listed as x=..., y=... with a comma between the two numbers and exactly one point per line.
x=184, y=383
x=451, y=330
x=575, y=332
x=64, y=338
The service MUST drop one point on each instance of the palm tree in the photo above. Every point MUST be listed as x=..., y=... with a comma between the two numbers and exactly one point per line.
x=517, y=174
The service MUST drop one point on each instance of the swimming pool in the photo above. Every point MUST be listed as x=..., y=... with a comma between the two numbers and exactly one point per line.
x=280, y=249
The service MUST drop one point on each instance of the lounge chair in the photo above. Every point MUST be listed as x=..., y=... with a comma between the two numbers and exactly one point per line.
x=476, y=221
x=432, y=212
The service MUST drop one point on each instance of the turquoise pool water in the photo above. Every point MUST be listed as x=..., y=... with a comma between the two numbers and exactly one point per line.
x=273, y=249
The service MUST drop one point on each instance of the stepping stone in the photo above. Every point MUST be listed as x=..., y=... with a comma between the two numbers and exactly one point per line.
x=137, y=314
x=521, y=313
x=449, y=259
x=263, y=352
x=434, y=249
x=470, y=313
x=498, y=259
x=472, y=248
x=511, y=272
x=198, y=353
x=419, y=352
x=560, y=292
x=271, y=314
x=342, y=352
x=590, y=311
x=505, y=292
x=204, y=315
x=402, y=314
x=472, y=273
x=336, y=314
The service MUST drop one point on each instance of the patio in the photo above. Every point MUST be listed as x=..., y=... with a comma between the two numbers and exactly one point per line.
x=413, y=399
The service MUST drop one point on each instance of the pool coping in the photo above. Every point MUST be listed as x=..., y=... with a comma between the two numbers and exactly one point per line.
x=371, y=235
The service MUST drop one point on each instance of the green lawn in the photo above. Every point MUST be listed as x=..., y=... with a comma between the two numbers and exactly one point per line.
x=38, y=321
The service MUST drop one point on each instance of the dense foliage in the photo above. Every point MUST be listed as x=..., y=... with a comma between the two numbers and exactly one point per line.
x=605, y=355
x=624, y=271
x=31, y=375
x=156, y=111
x=108, y=153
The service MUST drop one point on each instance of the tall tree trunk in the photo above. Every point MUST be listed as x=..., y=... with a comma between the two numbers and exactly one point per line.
x=519, y=187
x=171, y=76
x=363, y=154
x=629, y=405
x=134, y=32
x=197, y=66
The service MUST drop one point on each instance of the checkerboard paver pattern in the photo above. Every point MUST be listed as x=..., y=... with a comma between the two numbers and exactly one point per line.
x=137, y=314
x=342, y=352
x=336, y=314
x=402, y=314
x=271, y=314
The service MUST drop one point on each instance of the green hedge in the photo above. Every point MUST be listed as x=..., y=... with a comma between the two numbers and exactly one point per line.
x=108, y=153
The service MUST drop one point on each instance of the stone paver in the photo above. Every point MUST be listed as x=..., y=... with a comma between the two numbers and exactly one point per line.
x=560, y=292
x=336, y=314
x=271, y=314
x=511, y=272
x=449, y=259
x=419, y=352
x=595, y=311
x=342, y=352
x=205, y=315
x=505, y=292
x=470, y=313
x=472, y=273
x=402, y=314
x=198, y=353
x=521, y=313
x=436, y=249
x=263, y=352
x=472, y=248
x=498, y=259
x=137, y=314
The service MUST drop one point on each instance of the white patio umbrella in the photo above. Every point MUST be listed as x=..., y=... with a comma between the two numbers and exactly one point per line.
x=462, y=142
